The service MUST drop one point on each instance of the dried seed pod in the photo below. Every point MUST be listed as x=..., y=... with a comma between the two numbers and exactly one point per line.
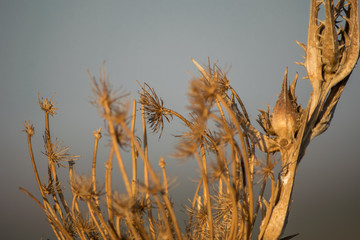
x=330, y=54
x=284, y=118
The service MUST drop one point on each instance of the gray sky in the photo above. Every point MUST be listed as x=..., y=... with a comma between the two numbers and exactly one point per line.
x=46, y=47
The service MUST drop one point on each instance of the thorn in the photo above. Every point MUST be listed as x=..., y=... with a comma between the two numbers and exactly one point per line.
x=306, y=77
x=302, y=45
x=320, y=21
x=284, y=87
x=262, y=111
x=319, y=3
x=200, y=68
x=320, y=35
x=285, y=75
x=300, y=63
x=293, y=85
x=348, y=20
x=319, y=28
x=269, y=108
x=340, y=30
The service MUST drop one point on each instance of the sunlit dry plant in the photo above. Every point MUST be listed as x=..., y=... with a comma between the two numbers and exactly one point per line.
x=29, y=128
x=246, y=176
x=47, y=105
x=266, y=170
x=104, y=96
x=82, y=187
x=87, y=226
x=58, y=153
x=50, y=188
x=154, y=109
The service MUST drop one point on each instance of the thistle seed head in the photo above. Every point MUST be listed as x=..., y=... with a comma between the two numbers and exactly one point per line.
x=29, y=128
x=47, y=105
x=97, y=134
x=82, y=187
x=154, y=109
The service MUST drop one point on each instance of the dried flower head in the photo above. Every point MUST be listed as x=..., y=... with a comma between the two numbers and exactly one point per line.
x=226, y=131
x=264, y=172
x=122, y=204
x=97, y=134
x=29, y=128
x=223, y=204
x=82, y=187
x=119, y=113
x=57, y=153
x=50, y=188
x=154, y=108
x=202, y=95
x=122, y=138
x=205, y=89
x=105, y=98
x=214, y=75
x=87, y=225
x=162, y=163
x=190, y=140
x=219, y=169
x=200, y=222
x=47, y=105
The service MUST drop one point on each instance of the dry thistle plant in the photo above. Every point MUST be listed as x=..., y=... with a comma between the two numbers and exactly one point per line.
x=219, y=136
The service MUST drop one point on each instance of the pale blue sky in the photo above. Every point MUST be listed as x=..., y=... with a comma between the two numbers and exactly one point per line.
x=46, y=47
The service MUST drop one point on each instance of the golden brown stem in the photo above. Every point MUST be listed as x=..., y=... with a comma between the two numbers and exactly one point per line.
x=249, y=184
x=34, y=166
x=164, y=216
x=53, y=175
x=189, y=124
x=94, y=170
x=157, y=183
x=54, y=220
x=108, y=186
x=100, y=229
x=146, y=174
x=162, y=164
x=133, y=152
x=234, y=222
x=207, y=200
x=269, y=207
x=188, y=227
x=117, y=151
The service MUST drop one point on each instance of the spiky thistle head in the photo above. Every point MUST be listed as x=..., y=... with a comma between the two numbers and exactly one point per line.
x=58, y=153
x=47, y=105
x=82, y=187
x=206, y=88
x=108, y=101
x=154, y=109
x=29, y=128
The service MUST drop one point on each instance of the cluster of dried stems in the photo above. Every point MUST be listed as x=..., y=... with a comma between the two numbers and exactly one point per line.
x=219, y=136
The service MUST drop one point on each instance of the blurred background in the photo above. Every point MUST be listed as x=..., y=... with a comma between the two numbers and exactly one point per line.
x=47, y=47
